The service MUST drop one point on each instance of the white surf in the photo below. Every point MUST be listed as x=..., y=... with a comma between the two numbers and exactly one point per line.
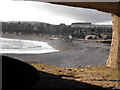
x=19, y=46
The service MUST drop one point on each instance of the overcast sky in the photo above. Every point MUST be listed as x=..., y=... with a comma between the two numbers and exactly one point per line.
x=49, y=13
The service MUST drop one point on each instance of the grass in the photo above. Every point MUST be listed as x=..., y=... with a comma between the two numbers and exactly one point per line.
x=97, y=75
x=106, y=72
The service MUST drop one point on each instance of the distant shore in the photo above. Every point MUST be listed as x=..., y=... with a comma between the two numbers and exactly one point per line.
x=71, y=54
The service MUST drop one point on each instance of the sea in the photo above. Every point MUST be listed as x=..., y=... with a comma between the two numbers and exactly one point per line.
x=19, y=46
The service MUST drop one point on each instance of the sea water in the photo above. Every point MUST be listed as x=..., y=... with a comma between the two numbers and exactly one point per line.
x=18, y=46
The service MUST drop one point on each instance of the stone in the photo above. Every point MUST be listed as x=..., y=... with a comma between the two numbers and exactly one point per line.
x=114, y=57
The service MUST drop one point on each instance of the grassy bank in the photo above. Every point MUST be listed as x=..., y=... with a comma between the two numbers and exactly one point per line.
x=96, y=75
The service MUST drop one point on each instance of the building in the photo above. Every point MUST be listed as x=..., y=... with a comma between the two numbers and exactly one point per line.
x=80, y=24
x=88, y=25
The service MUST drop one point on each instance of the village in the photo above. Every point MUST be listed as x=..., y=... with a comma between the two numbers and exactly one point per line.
x=75, y=31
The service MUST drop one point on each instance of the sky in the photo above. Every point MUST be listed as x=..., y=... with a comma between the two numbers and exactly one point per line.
x=50, y=13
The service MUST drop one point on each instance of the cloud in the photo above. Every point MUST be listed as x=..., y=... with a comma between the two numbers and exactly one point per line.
x=88, y=15
x=50, y=13
x=79, y=14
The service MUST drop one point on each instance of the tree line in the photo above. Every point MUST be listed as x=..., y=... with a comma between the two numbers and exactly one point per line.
x=38, y=28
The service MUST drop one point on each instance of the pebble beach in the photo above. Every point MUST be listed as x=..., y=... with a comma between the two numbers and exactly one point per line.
x=70, y=54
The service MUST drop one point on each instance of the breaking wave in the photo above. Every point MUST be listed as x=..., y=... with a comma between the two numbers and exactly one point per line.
x=19, y=46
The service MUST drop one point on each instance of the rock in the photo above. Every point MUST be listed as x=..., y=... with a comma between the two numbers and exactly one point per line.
x=18, y=74
x=69, y=69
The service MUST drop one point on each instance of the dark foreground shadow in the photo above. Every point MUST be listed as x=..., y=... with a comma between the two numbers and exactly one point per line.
x=48, y=80
x=19, y=75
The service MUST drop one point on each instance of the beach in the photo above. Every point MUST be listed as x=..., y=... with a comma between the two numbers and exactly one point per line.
x=70, y=54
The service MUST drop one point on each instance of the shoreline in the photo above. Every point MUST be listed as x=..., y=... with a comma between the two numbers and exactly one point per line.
x=58, y=44
x=71, y=54
x=20, y=46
